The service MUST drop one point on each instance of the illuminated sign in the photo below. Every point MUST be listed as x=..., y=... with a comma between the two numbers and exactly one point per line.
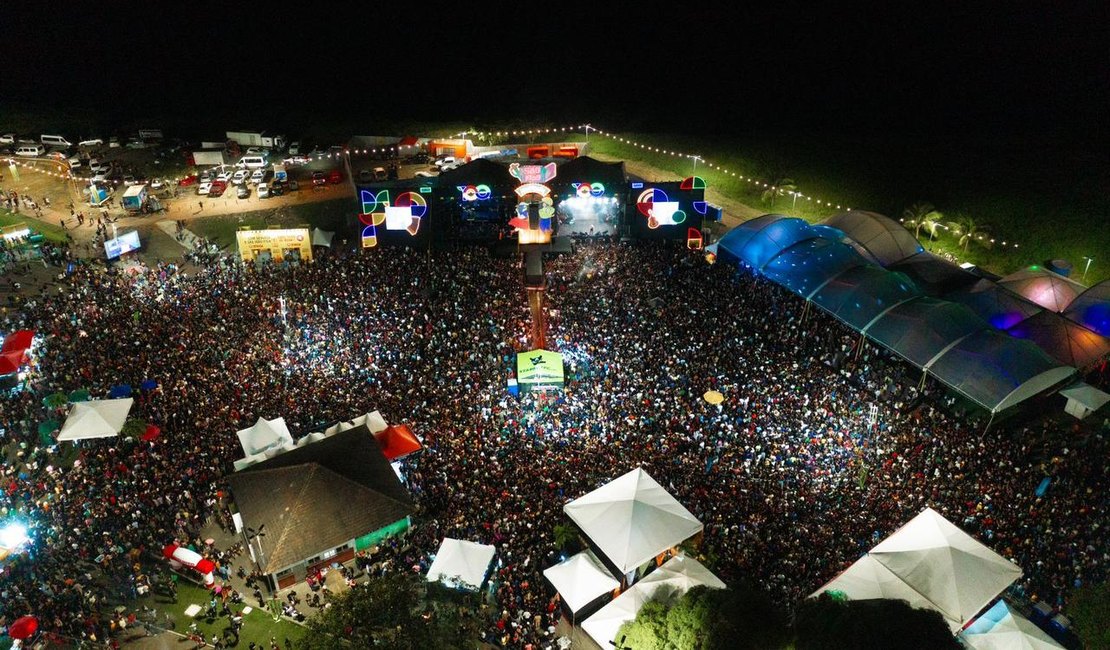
x=692, y=183
x=539, y=369
x=277, y=242
x=654, y=204
x=532, y=173
x=405, y=213
x=125, y=243
x=586, y=190
x=693, y=239
x=479, y=192
x=533, y=197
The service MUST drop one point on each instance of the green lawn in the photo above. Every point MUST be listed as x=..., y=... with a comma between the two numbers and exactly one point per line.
x=258, y=625
x=52, y=233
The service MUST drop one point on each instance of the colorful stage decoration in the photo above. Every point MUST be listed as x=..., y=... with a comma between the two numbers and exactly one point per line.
x=532, y=173
x=693, y=239
x=654, y=204
x=533, y=194
x=586, y=190
x=481, y=192
x=179, y=556
x=405, y=213
x=692, y=183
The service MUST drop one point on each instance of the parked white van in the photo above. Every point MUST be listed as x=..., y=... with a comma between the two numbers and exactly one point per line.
x=30, y=150
x=252, y=162
x=54, y=141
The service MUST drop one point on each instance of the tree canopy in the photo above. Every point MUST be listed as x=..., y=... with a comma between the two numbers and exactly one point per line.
x=398, y=611
x=1090, y=611
x=825, y=623
x=739, y=618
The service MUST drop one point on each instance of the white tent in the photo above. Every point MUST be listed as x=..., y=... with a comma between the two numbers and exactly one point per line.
x=632, y=519
x=950, y=571
x=461, y=564
x=321, y=237
x=264, y=436
x=681, y=573
x=674, y=578
x=580, y=580
x=373, y=421
x=867, y=580
x=1084, y=399
x=1000, y=628
x=102, y=418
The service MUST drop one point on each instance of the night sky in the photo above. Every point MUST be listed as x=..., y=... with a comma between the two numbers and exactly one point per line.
x=1007, y=70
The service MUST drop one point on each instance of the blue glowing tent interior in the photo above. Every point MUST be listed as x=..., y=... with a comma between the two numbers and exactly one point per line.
x=998, y=371
x=807, y=266
x=861, y=294
x=999, y=307
x=956, y=339
x=920, y=330
x=887, y=240
x=1091, y=308
x=1064, y=340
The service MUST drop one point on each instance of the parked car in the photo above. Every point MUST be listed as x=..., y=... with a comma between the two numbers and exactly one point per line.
x=129, y=180
x=224, y=176
x=98, y=165
x=292, y=186
x=417, y=159
x=93, y=142
x=426, y=174
x=74, y=160
x=113, y=142
x=297, y=160
x=207, y=176
x=257, y=177
x=319, y=178
x=204, y=187
x=277, y=188
x=444, y=161
x=7, y=138
x=243, y=192
x=240, y=177
x=191, y=179
x=101, y=176
x=57, y=155
x=217, y=188
x=335, y=177
x=294, y=148
x=158, y=184
x=263, y=191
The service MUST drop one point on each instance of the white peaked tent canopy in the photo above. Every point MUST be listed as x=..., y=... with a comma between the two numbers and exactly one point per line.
x=322, y=237
x=868, y=580
x=1000, y=628
x=1084, y=399
x=373, y=421
x=264, y=436
x=955, y=573
x=674, y=578
x=632, y=519
x=580, y=580
x=102, y=418
x=461, y=564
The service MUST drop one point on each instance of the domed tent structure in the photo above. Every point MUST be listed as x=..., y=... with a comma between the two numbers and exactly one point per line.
x=1091, y=309
x=921, y=330
x=1047, y=289
x=758, y=241
x=885, y=239
x=807, y=266
x=859, y=295
x=999, y=307
x=1063, y=339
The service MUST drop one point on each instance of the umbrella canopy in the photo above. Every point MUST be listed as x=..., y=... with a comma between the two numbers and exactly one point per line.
x=148, y=384
x=48, y=426
x=152, y=432
x=10, y=362
x=713, y=397
x=398, y=441
x=55, y=400
x=18, y=341
x=23, y=627
x=123, y=390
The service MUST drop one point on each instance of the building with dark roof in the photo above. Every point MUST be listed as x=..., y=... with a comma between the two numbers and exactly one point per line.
x=320, y=502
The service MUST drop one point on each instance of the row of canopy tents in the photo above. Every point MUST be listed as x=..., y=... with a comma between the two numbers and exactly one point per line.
x=982, y=338
x=268, y=438
x=931, y=564
x=629, y=522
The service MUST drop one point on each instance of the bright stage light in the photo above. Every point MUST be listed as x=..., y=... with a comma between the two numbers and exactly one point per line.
x=13, y=536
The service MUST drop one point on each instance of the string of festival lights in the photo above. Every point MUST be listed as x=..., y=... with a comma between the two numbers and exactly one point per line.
x=401, y=148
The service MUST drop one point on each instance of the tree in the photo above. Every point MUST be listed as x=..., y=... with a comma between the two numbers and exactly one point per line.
x=566, y=538
x=401, y=611
x=826, y=623
x=133, y=428
x=968, y=230
x=923, y=215
x=781, y=187
x=1090, y=611
x=703, y=618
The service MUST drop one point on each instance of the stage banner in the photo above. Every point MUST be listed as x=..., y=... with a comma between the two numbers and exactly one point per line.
x=539, y=370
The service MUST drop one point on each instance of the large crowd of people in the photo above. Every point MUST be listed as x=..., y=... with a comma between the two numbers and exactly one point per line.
x=820, y=448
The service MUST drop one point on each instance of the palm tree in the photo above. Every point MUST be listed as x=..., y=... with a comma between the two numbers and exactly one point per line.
x=968, y=230
x=566, y=536
x=781, y=187
x=923, y=215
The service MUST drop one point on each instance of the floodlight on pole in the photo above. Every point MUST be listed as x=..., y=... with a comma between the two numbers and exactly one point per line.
x=1089, y=260
x=696, y=159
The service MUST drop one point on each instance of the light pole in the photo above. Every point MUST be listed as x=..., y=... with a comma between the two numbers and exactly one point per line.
x=696, y=159
x=588, y=127
x=1086, y=267
x=795, y=201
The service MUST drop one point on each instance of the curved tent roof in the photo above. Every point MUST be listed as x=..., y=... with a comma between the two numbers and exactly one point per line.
x=859, y=295
x=733, y=241
x=768, y=238
x=997, y=371
x=935, y=275
x=807, y=266
x=1001, y=308
x=1063, y=339
x=1092, y=308
x=1039, y=285
x=921, y=329
x=883, y=237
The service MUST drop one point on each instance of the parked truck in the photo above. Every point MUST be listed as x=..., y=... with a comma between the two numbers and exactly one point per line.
x=135, y=198
x=279, y=172
x=257, y=139
x=203, y=157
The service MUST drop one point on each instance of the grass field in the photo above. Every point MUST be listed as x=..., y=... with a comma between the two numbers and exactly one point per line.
x=50, y=232
x=328, y=215
x=258, y=625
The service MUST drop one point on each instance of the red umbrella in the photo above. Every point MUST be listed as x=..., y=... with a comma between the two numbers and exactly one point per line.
x=24, y=627
x=10, y=362
x=152, y=432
